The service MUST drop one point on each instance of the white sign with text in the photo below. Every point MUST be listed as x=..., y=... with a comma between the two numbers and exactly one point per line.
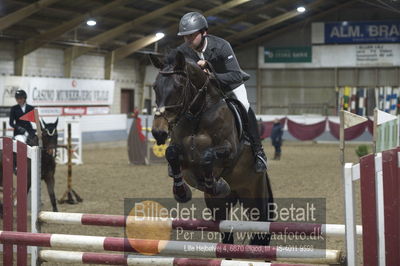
x=57, y=91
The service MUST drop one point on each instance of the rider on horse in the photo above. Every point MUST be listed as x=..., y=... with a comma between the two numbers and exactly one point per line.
x=21, y=108
x=217, y=54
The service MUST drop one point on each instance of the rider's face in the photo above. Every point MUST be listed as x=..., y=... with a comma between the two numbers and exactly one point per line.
x=20, y=101
x=193, y=40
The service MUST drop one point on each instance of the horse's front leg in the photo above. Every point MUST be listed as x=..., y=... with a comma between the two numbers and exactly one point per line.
x=182, y=192
x=50, y=182
x=218, y=188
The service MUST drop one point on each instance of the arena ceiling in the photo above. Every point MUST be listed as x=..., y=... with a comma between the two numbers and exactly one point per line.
x=127, y=27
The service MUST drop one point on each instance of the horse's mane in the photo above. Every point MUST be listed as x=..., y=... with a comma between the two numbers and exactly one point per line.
x=169, y=59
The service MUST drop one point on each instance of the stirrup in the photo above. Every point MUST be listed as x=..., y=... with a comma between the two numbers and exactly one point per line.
x=261, y=164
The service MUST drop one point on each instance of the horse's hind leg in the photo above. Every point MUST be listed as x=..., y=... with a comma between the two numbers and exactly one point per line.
x=260, y=202
x=220, y=208
x=218, y=188
x=182, y=192
x=261, y=239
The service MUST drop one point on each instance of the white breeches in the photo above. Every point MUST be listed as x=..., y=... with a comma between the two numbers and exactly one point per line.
x=241, y=95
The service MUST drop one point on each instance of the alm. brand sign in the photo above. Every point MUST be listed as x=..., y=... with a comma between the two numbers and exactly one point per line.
x=287, y=54
x=362, y=32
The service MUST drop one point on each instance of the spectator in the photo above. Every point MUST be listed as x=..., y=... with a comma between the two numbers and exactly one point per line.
x=276, y=138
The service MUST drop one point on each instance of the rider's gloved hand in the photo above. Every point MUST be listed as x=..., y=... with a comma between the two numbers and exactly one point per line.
x=205, y=66
x=20, y=130
x=202, y=63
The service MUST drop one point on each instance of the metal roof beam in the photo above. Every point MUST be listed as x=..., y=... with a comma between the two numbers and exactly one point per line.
x=290, y=27
x=33, y=43
x=110, y=34
x=272, y=22
x=24, y=12
x=249, y=15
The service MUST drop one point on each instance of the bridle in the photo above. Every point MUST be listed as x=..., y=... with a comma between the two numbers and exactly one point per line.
x=46, y=133
x=50, y=133
x=160, y=111
x=183, y=102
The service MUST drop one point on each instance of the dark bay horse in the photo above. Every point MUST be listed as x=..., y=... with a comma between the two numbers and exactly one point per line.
x=48, y=163
x=206, y=151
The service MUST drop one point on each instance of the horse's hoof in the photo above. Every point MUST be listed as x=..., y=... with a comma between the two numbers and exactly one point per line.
x=222, y=188
x=182, y=193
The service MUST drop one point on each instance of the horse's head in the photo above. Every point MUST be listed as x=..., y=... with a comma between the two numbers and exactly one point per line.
x=49, y=135
x=175, y=86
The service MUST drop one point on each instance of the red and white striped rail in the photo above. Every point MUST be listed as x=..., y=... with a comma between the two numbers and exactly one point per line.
x=23, y=152
x=195, y=224
x=58, y=256
x=379, y=176
x=170, y=248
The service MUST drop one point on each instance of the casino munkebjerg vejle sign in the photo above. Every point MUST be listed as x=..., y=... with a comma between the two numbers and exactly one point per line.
x=57, y=91
x=298, y=54
x=362, y=32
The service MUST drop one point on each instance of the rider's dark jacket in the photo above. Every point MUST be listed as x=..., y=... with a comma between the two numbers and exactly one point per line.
x=15, y=113
x=220, y=55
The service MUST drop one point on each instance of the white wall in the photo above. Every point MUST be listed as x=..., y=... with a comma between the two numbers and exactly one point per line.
x=45, y=62
x=88, y=66
x=6, y=57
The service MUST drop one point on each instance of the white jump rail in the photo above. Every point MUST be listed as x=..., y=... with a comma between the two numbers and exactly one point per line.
x=328, y=230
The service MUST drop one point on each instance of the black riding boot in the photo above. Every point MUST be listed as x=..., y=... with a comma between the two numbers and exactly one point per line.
x=259, y=155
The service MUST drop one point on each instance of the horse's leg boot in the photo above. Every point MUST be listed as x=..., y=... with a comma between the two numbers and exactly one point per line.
x=181, y=190
x=218, y=188
x=258, y=151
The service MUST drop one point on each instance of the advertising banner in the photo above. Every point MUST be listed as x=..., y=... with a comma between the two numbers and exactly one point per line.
x=346, y=55
x=356, y=32
x=57, y=91
x=297, y=54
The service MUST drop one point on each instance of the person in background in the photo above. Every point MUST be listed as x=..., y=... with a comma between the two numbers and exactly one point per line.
x=137, y=143
x=276, y=138
x=212, y=52
x=20, y=126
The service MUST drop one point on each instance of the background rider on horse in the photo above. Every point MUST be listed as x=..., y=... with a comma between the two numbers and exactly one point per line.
x=21, y=127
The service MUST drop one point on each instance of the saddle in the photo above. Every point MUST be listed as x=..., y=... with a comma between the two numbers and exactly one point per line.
x=240, y=114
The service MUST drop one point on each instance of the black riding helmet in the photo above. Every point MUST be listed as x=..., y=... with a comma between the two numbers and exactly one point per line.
x=20, y=94
x=192, y=22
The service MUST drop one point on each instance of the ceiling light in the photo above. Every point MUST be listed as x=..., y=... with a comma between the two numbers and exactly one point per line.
x=91, y=22
x=301, y=9
x=160, y=35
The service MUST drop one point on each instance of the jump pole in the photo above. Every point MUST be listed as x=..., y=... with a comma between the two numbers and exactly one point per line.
x=330, y=230
x=171, y=248
x=70, y=196
x=58, y=256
